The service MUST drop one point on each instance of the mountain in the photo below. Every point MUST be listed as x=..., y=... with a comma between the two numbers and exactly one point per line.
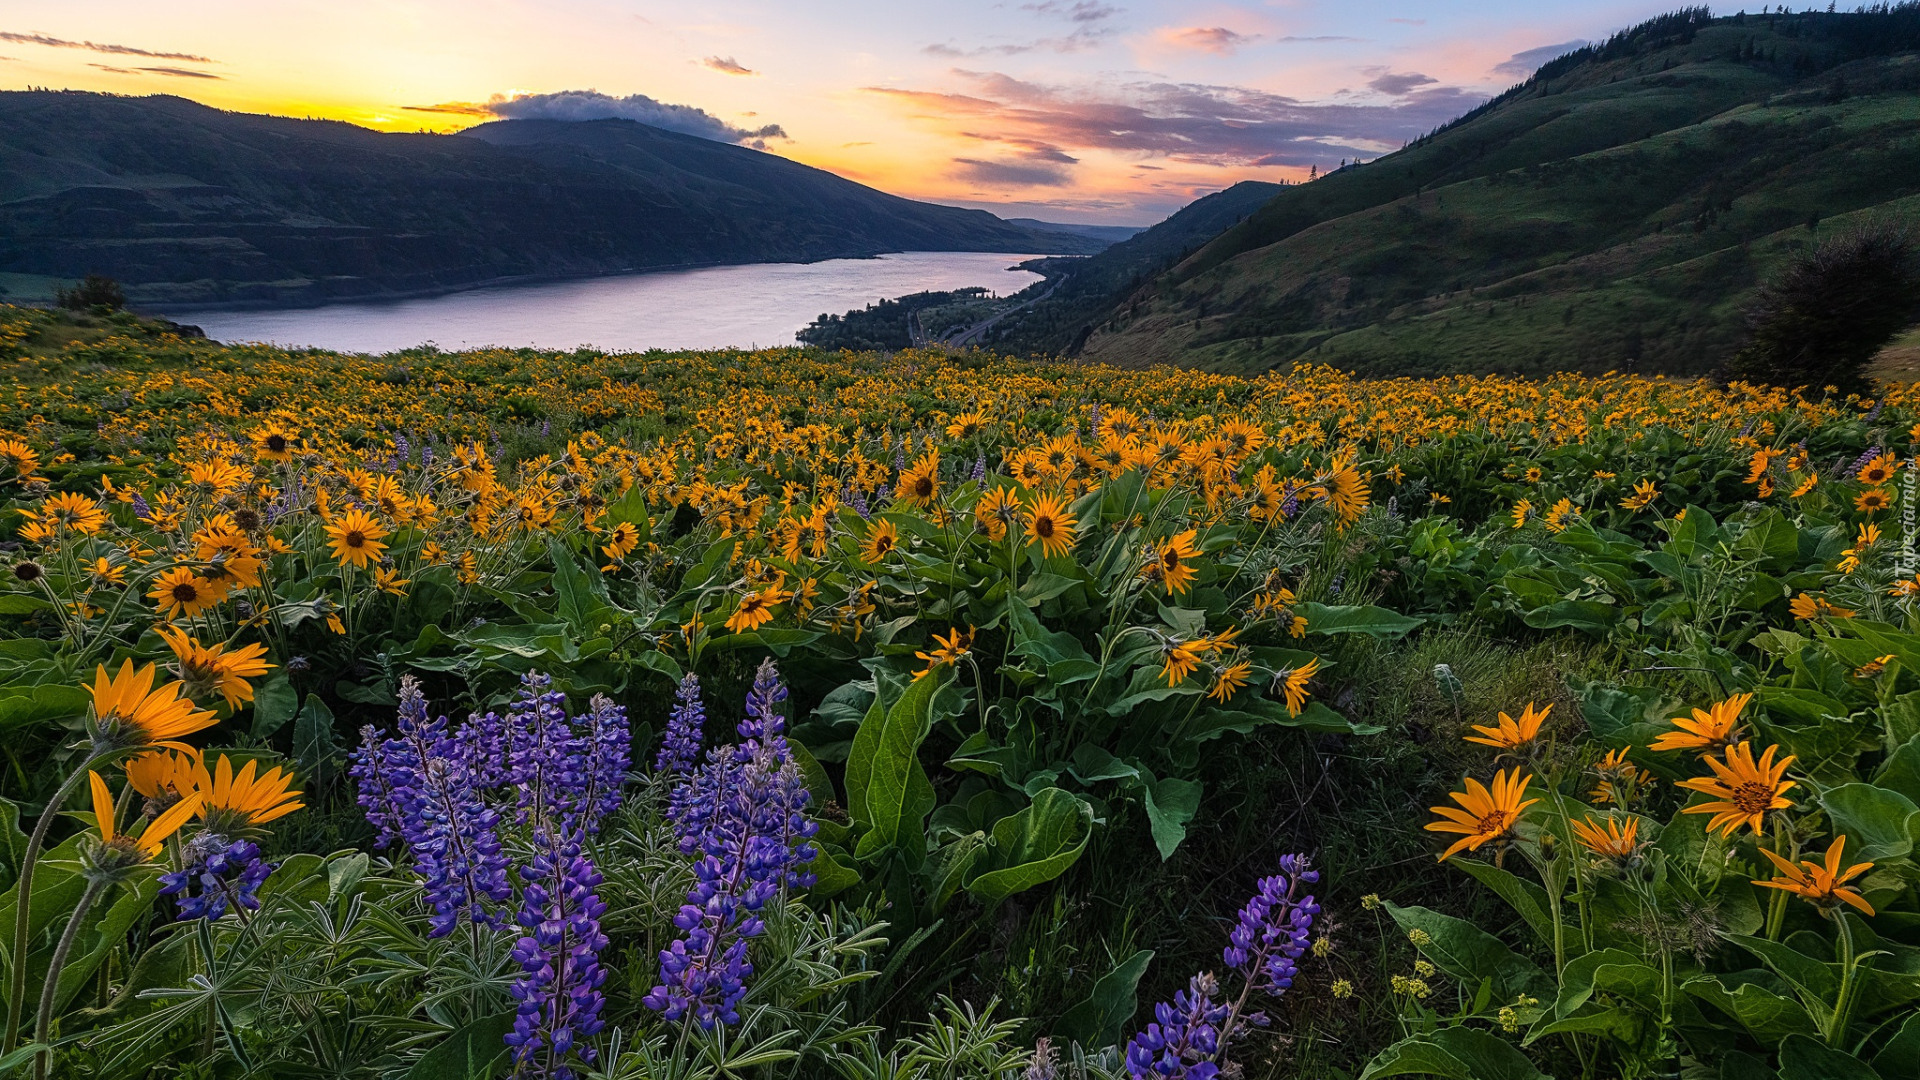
x=1112, y=234
x=189, y=204
x=1616, y=210
x=1079, y=292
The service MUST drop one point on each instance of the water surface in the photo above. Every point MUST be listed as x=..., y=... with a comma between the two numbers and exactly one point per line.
x=744, y=306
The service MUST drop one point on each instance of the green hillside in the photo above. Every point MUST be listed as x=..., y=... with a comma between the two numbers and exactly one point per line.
x=1614, y=211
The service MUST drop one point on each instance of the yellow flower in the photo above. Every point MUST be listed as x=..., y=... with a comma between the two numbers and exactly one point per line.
x=882, y=540
x=1180, y=659
x=1170, y=566
x=390, y=582
x=950, y=650
x=162, y=775
x=76, y=513
x=1510, y=733
x=1873, y=667
x=1621, y=780
x=1709, y=731
x=356, y=538
x=151, y=839
x=237, y=803
x=1643, y=495
x=1348, y=494
x=273, y=443
x=1484, y=814
x=1743, y=790
x=1608, y=838
x=208, y=668
x=920, y=484
x=1293, y=684
x=996, y=510
x=1822, y=884
x=1872, y=501
x=1879, y=470
x=1228, y=680
x=966, y=425
x=1807, y=607
x=130, y=712
x=1050, y=526
x=1521, y=511
x=755, y=610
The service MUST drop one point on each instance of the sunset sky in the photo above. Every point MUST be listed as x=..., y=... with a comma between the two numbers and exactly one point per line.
x=1071, y=110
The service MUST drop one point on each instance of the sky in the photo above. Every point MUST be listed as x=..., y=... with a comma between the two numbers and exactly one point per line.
x=1095, y=111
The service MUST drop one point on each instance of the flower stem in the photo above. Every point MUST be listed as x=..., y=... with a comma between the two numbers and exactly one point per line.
x=23, y=906
x=1843, y=1005
x=44, y=1019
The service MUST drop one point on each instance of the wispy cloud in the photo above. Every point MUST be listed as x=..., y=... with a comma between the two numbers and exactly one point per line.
x=1010, y=174
x=1523, y=64
x=728, y=65
x=178, y=73
x=594, y=105
x=1399, y=84
x=94, y=46
x=1213, y=39
x=1080, y=11
x=1086, y=16
x=1192, y=123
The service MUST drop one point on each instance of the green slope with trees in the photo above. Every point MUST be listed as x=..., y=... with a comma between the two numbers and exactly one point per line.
x=1618, y=210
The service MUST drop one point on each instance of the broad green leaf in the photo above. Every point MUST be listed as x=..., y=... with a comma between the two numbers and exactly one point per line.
x=1814, y=978
x=13, y=841
x=887, y=789
x=28, y=706
x=274, y=704
x=1901, y=1055
x=1455, y=1053
x=1612, y=971
x=1108, y=1009
x=1900, y=773
x=1033, y=846
x=1470, y=954
x=1365, y=619
x=1768, y=1016
x=1526, y=898
x=468, y=1054
x=22, y=604
x=313, y=741
x=1803, y=1058
x=1880, y=824
x=1171, y=803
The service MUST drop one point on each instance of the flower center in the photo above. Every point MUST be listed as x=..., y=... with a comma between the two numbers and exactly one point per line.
x=1043, y=527
x=1753, y=798
x=1493, y=824
x=185, y=593
x=355, y=538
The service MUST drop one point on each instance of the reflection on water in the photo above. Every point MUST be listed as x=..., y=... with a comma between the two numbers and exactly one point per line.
x=743, y=306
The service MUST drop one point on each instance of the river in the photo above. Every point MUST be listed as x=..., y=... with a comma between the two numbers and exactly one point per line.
x=746, y=306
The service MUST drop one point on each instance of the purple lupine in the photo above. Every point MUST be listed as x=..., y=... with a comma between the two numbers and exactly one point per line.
x=455, y=842
x=857, y=499
x=218, y=874
x=558, y=990
x=742, y=815
x=374, y=777
x=979, y=467
x=1185, y=1038
x=609, y=752
x=1191, y=1036
x=543, y=755
x=686, y=728
x=1268, y=941
x=1861, y=462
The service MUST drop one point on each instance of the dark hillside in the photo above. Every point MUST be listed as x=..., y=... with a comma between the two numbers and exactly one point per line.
x=190, y=204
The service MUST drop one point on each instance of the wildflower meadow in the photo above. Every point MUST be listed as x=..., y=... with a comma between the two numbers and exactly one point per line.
x=936, y=715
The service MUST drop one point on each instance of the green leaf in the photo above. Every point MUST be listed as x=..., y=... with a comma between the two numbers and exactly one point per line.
x=1768, y=1016
x=1109, y=1007
x=274, y=704
x=1901, y=1055
x=1901, y=771
x=22, y=604
x=1612, y=971
x=1171, y=803
x=13, y=842
x=830, y=875
x=1814, y=978
x=1033, y=846
x=1455, y=1053
x=1525, y=897
x=313, y=742
x=1803, y=1058
x=471, y=1053
x=1880, y=824
x=26, y=706
x=1470, y=954
x=1377, y=622
x=887, y=789
x=101, y=933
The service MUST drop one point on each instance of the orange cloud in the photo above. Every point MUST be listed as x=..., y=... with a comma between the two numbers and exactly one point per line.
x=727, y=65
x=1213, y=39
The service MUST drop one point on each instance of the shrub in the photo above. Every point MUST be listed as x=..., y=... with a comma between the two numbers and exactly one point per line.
x=1820, y=322
x=94, y=290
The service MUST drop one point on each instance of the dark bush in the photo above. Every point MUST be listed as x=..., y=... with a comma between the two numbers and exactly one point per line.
x=94, y=290
x=1820, y=322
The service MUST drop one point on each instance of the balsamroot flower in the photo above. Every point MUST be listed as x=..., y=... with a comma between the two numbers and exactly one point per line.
x=209, y=669
x=1743, y=790
x=1822, y=884
x=1608, y=838
x=1709, y=731
x=128, y=712
x=237, y=803
x=1050, y=526
x=1484, y=814
x=355, y=538
x=1508, y=733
